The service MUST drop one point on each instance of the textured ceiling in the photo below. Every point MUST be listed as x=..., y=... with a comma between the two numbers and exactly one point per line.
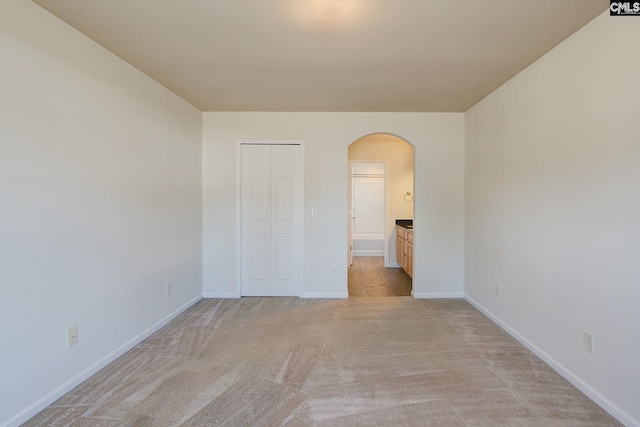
x=329, y=55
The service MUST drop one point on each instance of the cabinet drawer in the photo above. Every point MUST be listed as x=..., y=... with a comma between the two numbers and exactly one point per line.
x=409, y=237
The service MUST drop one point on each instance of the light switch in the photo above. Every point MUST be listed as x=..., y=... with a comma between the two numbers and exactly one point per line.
x=314, y=213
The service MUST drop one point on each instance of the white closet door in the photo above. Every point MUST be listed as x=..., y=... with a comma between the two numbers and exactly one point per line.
x=285, y=220
x=270, y=220
x=255, y=220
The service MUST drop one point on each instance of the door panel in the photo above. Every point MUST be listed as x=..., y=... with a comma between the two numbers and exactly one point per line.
x=284, y=199
x=259, y=256
x=283, y=255
x=254, y=216
x=283, y=160
x=285, y=223
x=258, y=201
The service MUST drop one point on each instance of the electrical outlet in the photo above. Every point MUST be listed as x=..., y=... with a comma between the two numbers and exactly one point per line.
x=72, y=336
x=334, y=272
x=587, y=341
x=498, y=291
x=168, y=289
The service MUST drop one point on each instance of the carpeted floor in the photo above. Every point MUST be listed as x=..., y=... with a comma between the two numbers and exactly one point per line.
x=302, y=362
x=368, y=277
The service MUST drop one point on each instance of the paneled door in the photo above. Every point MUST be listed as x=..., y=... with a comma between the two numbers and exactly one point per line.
x=270, y=220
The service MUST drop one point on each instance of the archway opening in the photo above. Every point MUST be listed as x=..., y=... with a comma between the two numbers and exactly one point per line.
x=381, y=189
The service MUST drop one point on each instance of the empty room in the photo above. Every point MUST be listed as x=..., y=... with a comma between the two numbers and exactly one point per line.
x=184, y=239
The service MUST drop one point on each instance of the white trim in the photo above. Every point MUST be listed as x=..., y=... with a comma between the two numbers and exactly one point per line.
x=593, y=394
x=55, y=394
x=238, y=221
x=437, y=295
x=371, y=252
x=221, y=295
x=325, y=295
x=302, y=215
x=239, y=144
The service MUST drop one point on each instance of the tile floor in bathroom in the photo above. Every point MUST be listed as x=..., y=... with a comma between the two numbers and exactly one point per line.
x=369, y=277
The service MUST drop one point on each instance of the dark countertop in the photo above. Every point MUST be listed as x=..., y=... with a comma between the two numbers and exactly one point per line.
x=405, y=223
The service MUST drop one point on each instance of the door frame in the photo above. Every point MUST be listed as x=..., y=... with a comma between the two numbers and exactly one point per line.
x=239, y=144
x=386, y=209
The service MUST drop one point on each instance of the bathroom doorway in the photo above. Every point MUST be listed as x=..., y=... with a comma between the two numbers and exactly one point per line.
x=368, y=208
x=380, y=192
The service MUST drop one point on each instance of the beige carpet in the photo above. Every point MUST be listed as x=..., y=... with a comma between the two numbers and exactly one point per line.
x=300, y=362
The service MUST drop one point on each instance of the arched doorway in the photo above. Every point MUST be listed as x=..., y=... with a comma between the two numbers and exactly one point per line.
x=381, y=188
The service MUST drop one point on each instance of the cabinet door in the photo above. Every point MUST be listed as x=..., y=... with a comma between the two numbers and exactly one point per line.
x=409, y=268
x=404, y=256
x=399, y=250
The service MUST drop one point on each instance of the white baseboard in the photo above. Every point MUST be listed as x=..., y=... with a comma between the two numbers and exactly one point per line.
x=368, y=253
x=576, y=381
x=40, y=404
x=325, y=295
x=437, y=295
x=221, y=295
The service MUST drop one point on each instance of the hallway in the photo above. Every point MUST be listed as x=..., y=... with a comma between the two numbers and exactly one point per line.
x=368, y=277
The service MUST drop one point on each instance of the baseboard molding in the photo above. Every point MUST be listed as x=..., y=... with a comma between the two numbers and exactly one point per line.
x=368, y=253
x=437, y=295
x=325, y=295
x=575, y=380
x=221, y=295
x=31, y=410
x=333, y=295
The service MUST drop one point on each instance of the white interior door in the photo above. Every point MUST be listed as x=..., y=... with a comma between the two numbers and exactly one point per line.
x=368, y=205
x=270, y=205
x=285, y=220
x=368, y=200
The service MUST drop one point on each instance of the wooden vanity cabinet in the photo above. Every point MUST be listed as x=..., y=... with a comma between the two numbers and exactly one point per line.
x=404, y=249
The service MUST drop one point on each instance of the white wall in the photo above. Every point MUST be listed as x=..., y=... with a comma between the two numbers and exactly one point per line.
x=399, y=157
x=553, y=209
x=439, y=199
x=100, y=206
